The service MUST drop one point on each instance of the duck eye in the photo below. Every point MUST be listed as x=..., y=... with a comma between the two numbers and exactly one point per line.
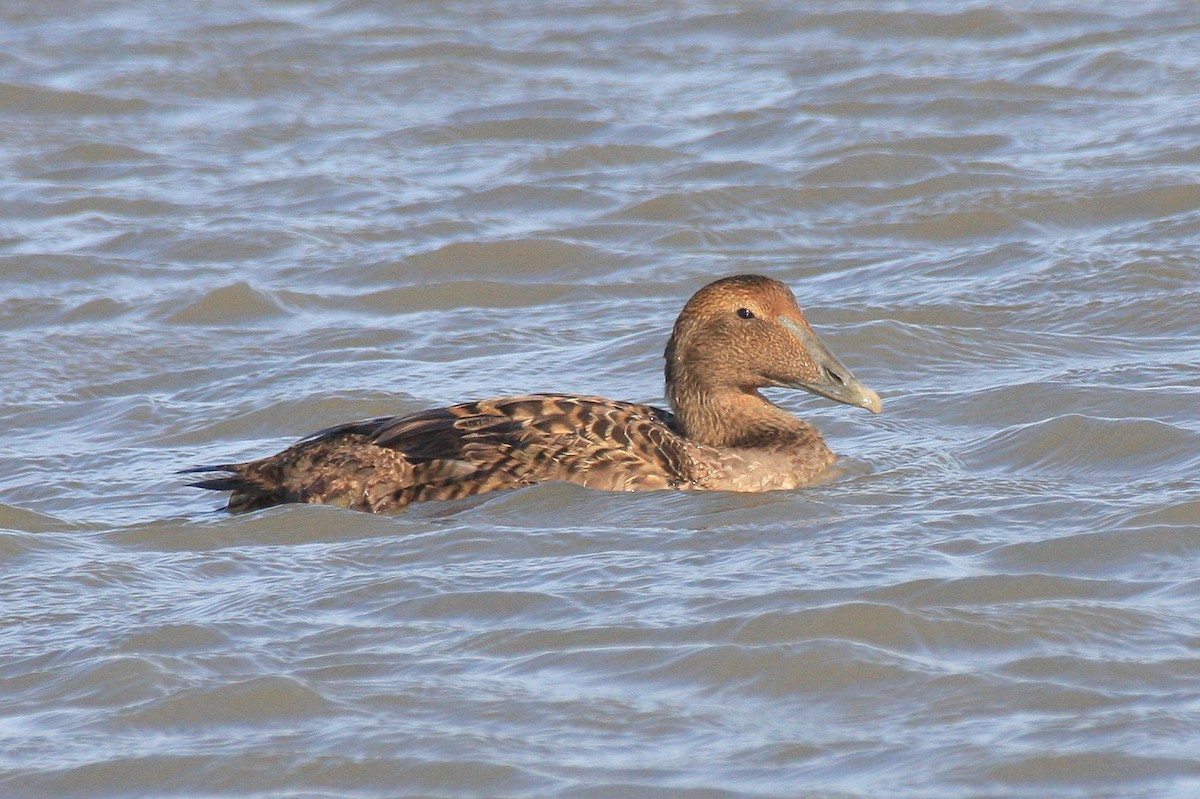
x=745, y=313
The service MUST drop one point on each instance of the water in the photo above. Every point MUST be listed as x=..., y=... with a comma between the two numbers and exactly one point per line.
x=225, y=226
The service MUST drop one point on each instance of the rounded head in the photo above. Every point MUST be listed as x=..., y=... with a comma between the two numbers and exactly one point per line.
x=747, y=332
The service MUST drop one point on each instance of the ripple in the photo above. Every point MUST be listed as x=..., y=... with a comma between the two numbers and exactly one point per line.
x=1100, y=768
x=875, y=169
x=589, y=157
x=1085, y=445
x=525, y=260
x=14, y=519
x=1125, y=549
x=242, y=702
x=38, y=100
x=235, y=304
x=119, y=681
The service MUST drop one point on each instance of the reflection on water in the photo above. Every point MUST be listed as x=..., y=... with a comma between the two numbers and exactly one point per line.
x=225, y=229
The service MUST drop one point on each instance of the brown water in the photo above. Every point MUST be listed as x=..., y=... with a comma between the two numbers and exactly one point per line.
x=225, y=225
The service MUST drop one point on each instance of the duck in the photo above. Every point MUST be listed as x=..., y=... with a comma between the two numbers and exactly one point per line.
x=735, y=336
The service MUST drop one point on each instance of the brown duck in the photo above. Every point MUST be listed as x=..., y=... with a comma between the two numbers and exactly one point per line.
x=733, y=337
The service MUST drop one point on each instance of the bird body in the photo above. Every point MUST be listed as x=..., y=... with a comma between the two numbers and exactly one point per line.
x=733, y=337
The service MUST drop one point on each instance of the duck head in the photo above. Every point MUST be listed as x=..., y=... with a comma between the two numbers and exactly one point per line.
x=746, y=332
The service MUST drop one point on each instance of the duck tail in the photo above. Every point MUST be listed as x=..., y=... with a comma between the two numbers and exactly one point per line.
x=232, y=480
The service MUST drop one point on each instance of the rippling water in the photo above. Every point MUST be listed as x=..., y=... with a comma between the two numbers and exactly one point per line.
x=227, y=225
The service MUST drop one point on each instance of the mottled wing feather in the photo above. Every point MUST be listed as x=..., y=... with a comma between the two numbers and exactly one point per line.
x=600, y=444
x=544, y=437
x=385, y=463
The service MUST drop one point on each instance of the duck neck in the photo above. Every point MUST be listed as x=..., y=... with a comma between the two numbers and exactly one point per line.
x=737, y=417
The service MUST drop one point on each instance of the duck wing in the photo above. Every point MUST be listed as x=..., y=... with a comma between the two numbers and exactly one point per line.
x=386, y=463
x=538, y=438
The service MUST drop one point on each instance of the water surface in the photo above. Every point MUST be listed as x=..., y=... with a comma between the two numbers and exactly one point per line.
x=226, y=226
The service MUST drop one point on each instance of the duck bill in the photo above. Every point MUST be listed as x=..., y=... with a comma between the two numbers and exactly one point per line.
x=836, y=382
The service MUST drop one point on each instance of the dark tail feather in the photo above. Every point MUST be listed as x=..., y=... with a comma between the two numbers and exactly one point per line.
x=219, y=484
x=248, y=493
x=230, y=482
x=224, y=467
